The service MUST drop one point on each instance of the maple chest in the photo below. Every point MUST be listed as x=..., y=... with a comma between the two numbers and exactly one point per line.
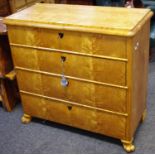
x=83, y=66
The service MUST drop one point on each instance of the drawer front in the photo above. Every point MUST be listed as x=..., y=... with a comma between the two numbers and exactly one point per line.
x=80, y=92
x=97, y=44
x=75, y=116
x=113, y=46
x=97, y=69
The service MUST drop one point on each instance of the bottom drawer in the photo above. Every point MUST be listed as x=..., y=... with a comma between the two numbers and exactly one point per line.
x=92, y=120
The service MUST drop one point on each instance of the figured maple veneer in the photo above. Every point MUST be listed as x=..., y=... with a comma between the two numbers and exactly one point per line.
x=105, y=58
x=83, y=42
x=37, y=83
x=77, y=116
x=75, y=65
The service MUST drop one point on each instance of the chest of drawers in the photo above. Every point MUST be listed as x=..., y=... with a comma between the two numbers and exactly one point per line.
x=83, y=66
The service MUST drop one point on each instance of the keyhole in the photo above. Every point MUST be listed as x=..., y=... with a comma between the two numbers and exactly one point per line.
x=69, y=107
x=61, y=35
x=63, y=58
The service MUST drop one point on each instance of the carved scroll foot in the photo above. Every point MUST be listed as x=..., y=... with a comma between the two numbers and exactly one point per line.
x=128, y=146
x=144, y=115
x=26, y=119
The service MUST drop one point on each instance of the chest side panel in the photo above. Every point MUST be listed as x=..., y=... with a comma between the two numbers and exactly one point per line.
x=140, y=74
x=137, y=72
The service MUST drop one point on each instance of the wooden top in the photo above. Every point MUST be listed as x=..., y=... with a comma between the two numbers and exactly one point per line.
x=106, y=20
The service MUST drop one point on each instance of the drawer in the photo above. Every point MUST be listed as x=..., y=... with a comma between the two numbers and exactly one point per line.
x=97, y=69
x=113, y=46
x=80, y=92
x=75, y=116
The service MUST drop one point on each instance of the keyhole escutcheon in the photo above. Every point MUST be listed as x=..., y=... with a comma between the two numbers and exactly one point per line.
x=61, y=35
x=63, y=58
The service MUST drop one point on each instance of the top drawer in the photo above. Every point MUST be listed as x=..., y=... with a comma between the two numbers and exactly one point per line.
x=97, y=44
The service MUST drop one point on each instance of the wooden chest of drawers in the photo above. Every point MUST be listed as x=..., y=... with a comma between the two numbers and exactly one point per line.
x=85, y=67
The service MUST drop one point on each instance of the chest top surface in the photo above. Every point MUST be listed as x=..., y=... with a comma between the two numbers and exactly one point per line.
x=106, y=20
